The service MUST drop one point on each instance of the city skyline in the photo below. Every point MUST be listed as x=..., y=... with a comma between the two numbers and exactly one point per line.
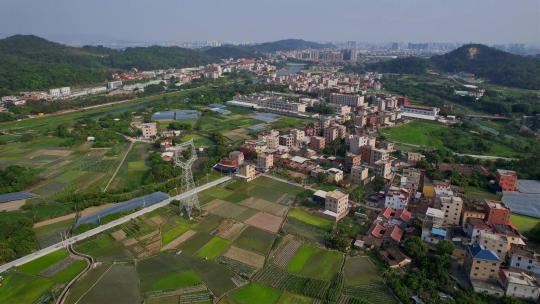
x=490, y=22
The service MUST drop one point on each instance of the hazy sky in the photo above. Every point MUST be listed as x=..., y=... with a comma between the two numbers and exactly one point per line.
x=487, y=21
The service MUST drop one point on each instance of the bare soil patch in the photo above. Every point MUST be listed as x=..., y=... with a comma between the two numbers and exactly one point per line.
x=12, y=206
x=50, y=152
x=119, y=235
x=265, y=221
x=246, y=257
x=265, y=206
x=229, y=229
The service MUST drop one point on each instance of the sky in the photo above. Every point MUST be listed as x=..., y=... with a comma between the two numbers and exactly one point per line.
x=482, y=21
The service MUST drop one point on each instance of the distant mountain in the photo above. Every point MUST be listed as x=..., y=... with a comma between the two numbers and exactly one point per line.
x=494, y=65
x=229, y=51
x=489, y=63
x=288, y=45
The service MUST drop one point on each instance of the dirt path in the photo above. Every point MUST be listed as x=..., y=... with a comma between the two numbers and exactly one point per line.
x=70, y=216
x=119, y=165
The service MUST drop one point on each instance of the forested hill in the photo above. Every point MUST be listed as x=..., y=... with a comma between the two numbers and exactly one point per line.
x=29, y=62
x=489, y=63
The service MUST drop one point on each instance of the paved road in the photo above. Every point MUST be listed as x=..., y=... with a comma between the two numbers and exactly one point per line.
x=97, y=230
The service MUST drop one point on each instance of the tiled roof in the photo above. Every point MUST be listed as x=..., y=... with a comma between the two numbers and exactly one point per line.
x=479, y=252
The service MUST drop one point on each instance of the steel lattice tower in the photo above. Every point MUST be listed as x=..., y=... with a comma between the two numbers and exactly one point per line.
x=187, y=183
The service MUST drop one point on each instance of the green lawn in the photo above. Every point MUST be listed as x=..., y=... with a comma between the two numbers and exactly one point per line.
x=310, y=219
x=176, y=281
x=415, y=133
x=314, y=262
x=524, y=223
x=214, y=248
x=255, y=293
x=42, y=263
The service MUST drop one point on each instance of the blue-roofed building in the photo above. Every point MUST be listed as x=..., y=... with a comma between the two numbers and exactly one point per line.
x=481, y=263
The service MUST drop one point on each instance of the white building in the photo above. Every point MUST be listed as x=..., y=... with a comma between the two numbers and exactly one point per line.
x=357, y=141
x=149, y=130
x=396, y=198
x=519, y=285
x=347, y=99
x=420, y=112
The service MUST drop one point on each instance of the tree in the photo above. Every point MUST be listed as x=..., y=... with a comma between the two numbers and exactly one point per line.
x=416, y=248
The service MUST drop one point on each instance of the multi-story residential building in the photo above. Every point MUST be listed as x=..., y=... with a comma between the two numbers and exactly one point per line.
x=413, y=158
x=396, y=198
x=452, y=209
x=113, y=85
x=497, y=213
x=378, y=154
x=330, y=134
x=286, y=140
x=359, y=174
x=383, y=168
x=387, y=145
x=473, y=227
x=432, y=230
x=149, y=130
x=473, y=214
x=317, y=142
x=525, y=259
x=298, y=136
x=481, y=263
x=237, y=156
x=265, y=162
x=337, y=202
x=346, y=99
x=519, y=285
x=495, y=242
x=334, y=175
x=247, y=171
x=351, y=160
x=356, y=142
x=507, y=179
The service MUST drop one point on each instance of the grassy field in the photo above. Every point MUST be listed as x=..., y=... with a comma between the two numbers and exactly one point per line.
x=176, y=281
x=214, y=248
x=255, y=293
x=291, y=298
x=314, y=262
x=42, y=263
x=416, y=133
x=310, y=219
x=360, y=270
x=474, y=193
x=104, y=248
x=23, y=288
x=524, y=223
x=133, y=171
x=171, y=232
x=119, y=284
x=254, y=239
x=427, y=134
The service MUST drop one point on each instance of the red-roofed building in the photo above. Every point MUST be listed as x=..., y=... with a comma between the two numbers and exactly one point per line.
x=507, y=179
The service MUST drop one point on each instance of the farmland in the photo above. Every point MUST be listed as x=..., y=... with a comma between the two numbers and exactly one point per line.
x=230, y=249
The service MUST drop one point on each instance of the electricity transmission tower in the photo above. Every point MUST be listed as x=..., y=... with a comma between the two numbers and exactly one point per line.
x=184, y=157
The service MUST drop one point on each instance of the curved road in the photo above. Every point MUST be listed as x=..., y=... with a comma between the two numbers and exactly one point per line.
x=97, y=230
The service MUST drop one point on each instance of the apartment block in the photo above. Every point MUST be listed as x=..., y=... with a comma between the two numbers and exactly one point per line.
x=149, y=130
x=519, y=285
x=507, y=179
x=346, y=99
x=265, y=162
x=481, y=263
x=452, y=209
x=337, y=202
x=237, y=156
x=359, y=174
x=317, y=142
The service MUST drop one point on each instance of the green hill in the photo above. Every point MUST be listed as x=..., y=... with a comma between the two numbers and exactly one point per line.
x=29, y=62
x=494, y=65
x=497, y=66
